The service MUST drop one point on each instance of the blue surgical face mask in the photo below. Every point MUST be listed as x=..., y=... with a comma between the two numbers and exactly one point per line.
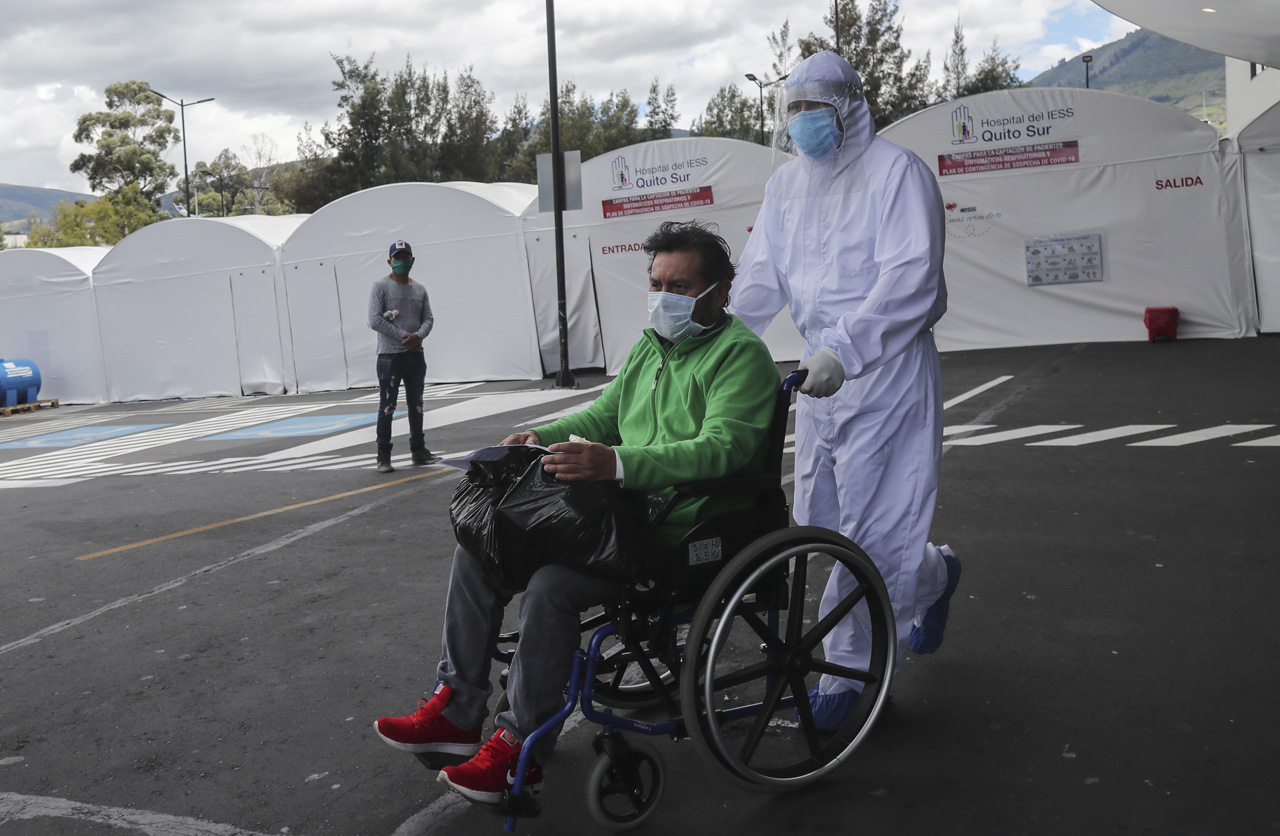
x=671, y=314
x=815, y=132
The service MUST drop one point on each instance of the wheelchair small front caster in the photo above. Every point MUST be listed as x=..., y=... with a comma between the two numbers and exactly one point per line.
x=625, y=784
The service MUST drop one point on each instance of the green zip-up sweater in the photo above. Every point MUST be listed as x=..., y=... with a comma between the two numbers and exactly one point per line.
x=698, y=409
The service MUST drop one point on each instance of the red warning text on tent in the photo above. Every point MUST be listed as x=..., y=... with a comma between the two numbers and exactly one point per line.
x=1009, y=159
x=643, y=204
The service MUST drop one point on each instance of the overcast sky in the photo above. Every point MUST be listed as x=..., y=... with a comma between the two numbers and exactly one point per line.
x=269, y=68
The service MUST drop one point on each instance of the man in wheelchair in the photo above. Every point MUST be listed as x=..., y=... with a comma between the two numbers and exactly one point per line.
x=693, y=401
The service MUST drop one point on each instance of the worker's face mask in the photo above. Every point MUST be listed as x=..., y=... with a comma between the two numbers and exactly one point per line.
x=815, y=132
x=671, y=314
x=401, y=266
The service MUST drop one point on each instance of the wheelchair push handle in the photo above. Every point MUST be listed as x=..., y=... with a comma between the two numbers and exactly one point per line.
x=794, y=379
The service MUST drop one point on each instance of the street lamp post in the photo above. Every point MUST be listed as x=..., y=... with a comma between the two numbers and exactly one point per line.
x=1087, y=59
x=759, y=84
x=762, y=85
x=182, y=108
x=207, y=174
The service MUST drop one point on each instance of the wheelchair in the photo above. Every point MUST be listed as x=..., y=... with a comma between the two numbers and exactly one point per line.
x=724, y=640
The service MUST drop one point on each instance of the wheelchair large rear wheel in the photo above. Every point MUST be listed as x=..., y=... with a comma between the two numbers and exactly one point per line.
x=755, y=651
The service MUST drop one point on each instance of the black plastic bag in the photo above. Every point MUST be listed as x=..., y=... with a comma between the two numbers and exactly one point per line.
x=514, y=518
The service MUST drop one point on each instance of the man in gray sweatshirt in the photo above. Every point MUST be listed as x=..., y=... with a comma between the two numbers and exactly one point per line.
x=401, y=314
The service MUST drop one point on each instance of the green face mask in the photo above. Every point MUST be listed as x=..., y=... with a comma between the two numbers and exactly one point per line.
x=401, y=266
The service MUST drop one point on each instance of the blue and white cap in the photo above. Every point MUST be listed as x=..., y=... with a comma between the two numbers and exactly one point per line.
x=400, y=247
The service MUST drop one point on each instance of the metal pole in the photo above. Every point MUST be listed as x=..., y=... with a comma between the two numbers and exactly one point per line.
x=837, y=7
x=183, y=104
x=186, y=176
x=564, y=377
x=761, y=86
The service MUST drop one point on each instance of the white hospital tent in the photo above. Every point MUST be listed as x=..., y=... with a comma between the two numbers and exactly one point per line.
x=47, y=316
x=187, y=308
x=1069, y=212
x=1259, y=143
x=466, y=242
x=625, y=195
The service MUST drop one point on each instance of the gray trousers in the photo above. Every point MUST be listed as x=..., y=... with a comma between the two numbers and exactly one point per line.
x=550, y=631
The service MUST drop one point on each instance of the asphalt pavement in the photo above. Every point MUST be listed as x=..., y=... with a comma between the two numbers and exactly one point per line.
x=205, y=605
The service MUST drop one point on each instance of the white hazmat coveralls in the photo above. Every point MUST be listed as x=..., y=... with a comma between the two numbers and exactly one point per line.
x=853, y=244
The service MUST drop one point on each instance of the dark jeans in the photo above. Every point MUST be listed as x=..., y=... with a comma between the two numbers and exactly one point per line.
x=550, y=631
x=409, y=367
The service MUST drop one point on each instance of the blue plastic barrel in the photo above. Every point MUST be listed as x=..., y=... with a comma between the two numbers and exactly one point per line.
x=19, y=382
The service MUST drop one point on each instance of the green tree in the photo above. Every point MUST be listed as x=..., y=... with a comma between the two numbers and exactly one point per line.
x=102, y=222
x=593, y=130
x=660, y=112
x=731, y=114
x=996, y=71
x=955, y=67
x=216, y=186
x=872, y=42
x=308, y=183
x=130, y=138
x=465, y=151
x=406, y=126
x=517, y=131
x=261, y=195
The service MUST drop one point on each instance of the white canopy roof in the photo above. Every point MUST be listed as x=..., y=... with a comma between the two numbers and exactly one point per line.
x=187, y=308
x=466, y=242
x=1244, y=29
x=625, y=195
x=1029, y=171
x=47, y=316
x=1259, y=142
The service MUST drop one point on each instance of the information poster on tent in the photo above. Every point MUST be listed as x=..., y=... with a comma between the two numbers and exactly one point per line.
x=1064, y=259
x=1009, y=159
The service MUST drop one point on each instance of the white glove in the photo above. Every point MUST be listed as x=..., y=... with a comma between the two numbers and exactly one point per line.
x=826, y=374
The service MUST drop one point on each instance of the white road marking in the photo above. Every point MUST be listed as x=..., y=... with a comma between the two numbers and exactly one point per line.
x=964, y=428
x=1207, y=434
x=258, y=464
x=258, y=551
x=23, y=484
x=1101, y=435
x=1269, y=441
x=553, y=416
x=990, y=384
x=459, y=413
x=109, y=448
x=48, y=427
x=1011, y=435
x=15, y=807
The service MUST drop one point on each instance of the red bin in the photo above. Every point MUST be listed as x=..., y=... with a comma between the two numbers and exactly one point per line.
x=1161, y=322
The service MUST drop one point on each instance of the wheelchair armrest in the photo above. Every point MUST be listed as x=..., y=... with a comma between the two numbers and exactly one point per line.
x=745, y=483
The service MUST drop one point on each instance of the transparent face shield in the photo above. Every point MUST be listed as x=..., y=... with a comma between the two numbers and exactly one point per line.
x=799, y=109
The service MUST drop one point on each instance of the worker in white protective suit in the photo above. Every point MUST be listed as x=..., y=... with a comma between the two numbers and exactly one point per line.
x=850, y=238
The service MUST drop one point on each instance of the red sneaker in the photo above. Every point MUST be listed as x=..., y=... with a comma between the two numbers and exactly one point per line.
x=427, y=730
x=491, y=771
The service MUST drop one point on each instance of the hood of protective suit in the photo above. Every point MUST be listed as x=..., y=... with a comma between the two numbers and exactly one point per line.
x=826, y=77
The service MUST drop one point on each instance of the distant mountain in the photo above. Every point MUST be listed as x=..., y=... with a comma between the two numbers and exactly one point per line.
x=1151, y=66
x=18, y=202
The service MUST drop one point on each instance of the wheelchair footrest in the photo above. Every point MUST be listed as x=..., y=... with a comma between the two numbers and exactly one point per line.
x=521, y=806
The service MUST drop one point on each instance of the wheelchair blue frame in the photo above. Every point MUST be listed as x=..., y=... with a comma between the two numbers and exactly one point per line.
x=773, y=552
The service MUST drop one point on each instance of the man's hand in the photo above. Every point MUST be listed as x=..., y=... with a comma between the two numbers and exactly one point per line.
x=520, y=438
x=412, y=342
x=581, y=461
x=826, y=374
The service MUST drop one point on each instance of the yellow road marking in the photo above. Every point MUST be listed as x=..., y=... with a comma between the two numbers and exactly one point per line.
x=260, y=514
